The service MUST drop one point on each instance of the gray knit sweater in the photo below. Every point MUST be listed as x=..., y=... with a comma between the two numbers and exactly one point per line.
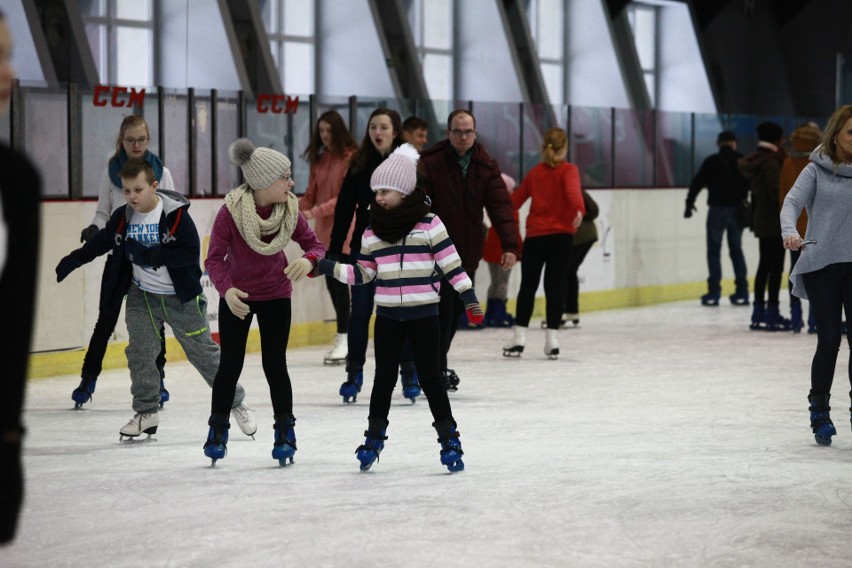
x=825, y=190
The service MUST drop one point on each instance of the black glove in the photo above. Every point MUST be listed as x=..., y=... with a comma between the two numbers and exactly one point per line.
x=66, y=266
x=88, y=233
x=12, y=480
x=332, y=255
x=690, y=209
x=139, y=254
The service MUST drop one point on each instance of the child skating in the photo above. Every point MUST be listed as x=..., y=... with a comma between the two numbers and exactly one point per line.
x=246, y=263
x=407, y=251
x=156, y=251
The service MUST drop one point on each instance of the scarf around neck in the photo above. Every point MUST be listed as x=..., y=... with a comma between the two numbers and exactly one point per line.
x=240, y=203
x=392, y=225
x=117, y=162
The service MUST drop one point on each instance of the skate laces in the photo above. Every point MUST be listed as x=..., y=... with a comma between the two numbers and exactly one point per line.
x=242, y=412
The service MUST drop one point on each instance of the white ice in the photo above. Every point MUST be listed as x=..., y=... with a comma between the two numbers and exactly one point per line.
x=663, y=436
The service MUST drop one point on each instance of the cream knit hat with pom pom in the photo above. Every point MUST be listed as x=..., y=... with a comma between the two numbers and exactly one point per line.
x=260, y=166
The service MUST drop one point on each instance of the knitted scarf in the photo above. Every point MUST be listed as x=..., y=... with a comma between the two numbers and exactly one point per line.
x=116, y=163
x=240, y=202
x=391, y=225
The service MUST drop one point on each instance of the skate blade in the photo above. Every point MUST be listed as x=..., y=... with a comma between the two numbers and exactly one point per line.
x=553, y=354
x=333, y=362
x=283, y=462
x=130, y=440
x=513, y=352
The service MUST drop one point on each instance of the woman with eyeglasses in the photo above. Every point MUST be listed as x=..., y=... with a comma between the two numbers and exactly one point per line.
x=132, y=142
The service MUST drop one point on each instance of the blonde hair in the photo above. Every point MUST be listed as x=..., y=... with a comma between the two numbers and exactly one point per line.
x=835, y=124
x=554, y=146
x=131, y=121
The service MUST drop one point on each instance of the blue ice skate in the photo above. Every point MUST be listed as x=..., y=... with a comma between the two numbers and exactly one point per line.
x=83, y=393
x=758, y=316
x=350, y=389
x=739, y=298
x=796, y=323
x=164, y=394
x=821, y=424
x=284, y=447
x=410, y=383
x=368, y=452
x=451, y=450
x=216, y=446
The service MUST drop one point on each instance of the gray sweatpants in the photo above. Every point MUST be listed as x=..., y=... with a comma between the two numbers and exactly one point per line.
x=144, y=313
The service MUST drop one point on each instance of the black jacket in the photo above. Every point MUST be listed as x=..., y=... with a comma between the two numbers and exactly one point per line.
x=726, y=186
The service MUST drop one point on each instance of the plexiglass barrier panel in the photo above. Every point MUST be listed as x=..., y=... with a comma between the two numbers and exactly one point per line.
x=175, y=152
x=45, y=123
x=634, y=137
x=591, y=145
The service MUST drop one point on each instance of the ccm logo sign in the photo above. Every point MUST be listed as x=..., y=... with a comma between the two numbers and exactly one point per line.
x=118, y=96
x=277, y=104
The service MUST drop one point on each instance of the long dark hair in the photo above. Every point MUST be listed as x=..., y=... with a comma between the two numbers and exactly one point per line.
x=367, y=153
x=341, y=140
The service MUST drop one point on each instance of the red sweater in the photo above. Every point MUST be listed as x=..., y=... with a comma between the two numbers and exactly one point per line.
x=556, y=199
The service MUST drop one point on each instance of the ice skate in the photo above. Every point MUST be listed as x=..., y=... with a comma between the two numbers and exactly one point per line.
x=350, y=389
x=164, y=394
x=284, y=447
x=216, y=446
x=83, y=393
x=710, y=299
x=569, y=321
x=450, y=380
x=821, y=424
x=496, y=314
x=739, y=299
x=141, y=423
x=337, y=355
x=796, y=322
x=516, y=346
x=244, y=417
x=451, y=450
x=758, y=316
x=551, y=344
x=368, y=452
x=410, y=383
x=774, y=321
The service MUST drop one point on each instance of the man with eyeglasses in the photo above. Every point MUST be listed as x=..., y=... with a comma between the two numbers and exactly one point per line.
x=461, y=178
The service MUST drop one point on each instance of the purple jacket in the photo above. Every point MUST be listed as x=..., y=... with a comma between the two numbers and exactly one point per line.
x=232, y=263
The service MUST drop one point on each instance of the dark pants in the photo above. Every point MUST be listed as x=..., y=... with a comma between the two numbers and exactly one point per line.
x=273, y=319
x=551, y=254
x=339, y=293
x=359, y=327
x=104, y=326
x=769, y=269
x=389, y=337
x=450, y=307
x=721, y=220
x=572, y=281
x=830, y=294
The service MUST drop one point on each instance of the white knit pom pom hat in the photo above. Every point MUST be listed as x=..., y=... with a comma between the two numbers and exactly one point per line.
x=398, y=171
x=260, y=166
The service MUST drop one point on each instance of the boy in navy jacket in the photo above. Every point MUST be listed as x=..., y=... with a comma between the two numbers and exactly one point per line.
x=158, y=247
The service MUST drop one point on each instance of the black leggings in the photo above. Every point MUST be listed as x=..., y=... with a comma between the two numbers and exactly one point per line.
x=830, y=293
x=572, y=281
x=339, y=293
x=388, y=338
x=769, y=269
x=550, y=253
x=273, y=320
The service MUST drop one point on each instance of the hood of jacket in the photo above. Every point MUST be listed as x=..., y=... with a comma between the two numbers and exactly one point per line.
x=753, y=163
x=823, y=161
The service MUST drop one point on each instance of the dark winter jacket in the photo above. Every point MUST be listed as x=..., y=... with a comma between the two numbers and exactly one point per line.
x=20, y=191
x=355, y=198
x=179, y=250
x=763, y=169
x=726, y=187
x=458, y=200
x=587, y=232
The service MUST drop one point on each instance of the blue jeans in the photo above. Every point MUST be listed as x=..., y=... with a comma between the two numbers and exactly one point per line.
x=719, y=220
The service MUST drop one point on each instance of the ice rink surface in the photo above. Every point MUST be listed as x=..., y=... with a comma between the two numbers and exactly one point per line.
x=663, y=436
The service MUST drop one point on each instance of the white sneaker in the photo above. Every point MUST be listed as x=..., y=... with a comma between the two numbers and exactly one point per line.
x=142, y=422
x=244, y=417
x=339, y=350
